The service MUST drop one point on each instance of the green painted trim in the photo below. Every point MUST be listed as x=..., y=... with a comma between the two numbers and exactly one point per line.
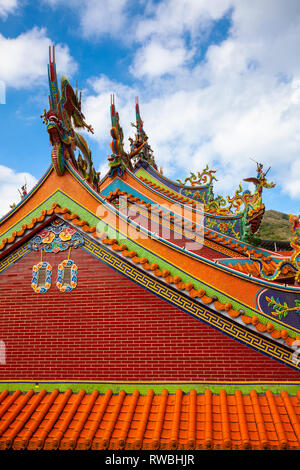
x=65, y=201
x=28, y=196
x=145, y=174
x=157, y=387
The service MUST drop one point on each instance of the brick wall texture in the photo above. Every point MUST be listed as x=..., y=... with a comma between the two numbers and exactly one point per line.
x=109, y=328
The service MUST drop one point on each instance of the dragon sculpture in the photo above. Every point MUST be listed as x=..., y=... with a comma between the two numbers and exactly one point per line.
x=245, y=199
x=63, y=117
x=283, y=309
x=260, y=181
x=204, y=178
x=139, y=147
x=116, y=160
x=244, y=202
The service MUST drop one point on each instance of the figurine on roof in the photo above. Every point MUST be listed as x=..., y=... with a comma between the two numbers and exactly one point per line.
x=139, y=146
x=23, y=191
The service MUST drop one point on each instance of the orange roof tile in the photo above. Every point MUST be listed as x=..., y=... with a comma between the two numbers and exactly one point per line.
x=132, y=421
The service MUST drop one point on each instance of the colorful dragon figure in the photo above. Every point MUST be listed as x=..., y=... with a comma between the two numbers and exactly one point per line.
x=204, y=178
x=260, y=181
x=295, y=244
x=283, y=309
x=63, y=117
x=245, y=199
x=117, y=158
x=244, y=202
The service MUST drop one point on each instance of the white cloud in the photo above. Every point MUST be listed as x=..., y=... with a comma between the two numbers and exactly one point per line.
x=293, y=185
x=96, y=107
x=7, y=7
x=24, y=58
x=103, y=18
x=10, y=182
x=156, y=59
x=98, y=18
x=242, y=101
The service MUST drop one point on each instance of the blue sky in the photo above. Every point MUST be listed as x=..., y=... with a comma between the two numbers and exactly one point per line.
x=218, y=82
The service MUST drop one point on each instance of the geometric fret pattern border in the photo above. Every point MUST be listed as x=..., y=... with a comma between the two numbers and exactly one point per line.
x=190, y=306
x=14, y=256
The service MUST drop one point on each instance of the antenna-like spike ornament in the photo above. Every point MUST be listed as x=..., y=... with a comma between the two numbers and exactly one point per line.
x=52, y=62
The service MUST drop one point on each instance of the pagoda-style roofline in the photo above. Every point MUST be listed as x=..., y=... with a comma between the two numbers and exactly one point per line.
x=97, y=197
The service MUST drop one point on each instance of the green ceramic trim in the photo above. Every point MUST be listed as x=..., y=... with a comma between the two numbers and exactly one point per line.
x=60, y=199
x=144, y=174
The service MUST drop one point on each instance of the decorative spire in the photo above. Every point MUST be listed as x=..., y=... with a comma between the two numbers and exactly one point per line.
x=116, y=130
x=118, y=159
x=139, y=146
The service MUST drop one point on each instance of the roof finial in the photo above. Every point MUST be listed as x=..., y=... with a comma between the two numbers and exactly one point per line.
x=52, y=62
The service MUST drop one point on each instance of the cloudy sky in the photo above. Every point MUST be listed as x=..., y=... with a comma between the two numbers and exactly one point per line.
x=218, y=83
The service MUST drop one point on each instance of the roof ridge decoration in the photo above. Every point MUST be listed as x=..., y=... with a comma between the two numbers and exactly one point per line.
x=287, y=267
x=167, y=276
x=245, y=203
x=117, y=158
x=63, y=117
x=139, y=147
x=204, y=178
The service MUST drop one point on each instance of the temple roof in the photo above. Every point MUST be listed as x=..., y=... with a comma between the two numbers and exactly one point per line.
x=184, y=239
x=163, y=421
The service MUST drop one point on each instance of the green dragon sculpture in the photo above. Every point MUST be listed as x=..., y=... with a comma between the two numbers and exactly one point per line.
x=204, y=178
x=63, y=117
x=292, y=262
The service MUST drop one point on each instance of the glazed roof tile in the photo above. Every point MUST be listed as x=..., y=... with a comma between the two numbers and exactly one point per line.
x=235, y=246
x=97, y=421
x=154, y=267
x=169, y=192
x=253, y=268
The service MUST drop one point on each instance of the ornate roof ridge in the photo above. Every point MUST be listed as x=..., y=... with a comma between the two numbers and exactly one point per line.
x=167, y=276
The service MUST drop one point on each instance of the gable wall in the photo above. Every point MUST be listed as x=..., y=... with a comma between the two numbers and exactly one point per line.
x=109, y=328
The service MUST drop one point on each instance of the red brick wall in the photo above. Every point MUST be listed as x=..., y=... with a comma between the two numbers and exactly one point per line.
x=109, y=328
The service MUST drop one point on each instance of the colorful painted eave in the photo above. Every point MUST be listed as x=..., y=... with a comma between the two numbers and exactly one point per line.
x=101, y=421
x=176, y=281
